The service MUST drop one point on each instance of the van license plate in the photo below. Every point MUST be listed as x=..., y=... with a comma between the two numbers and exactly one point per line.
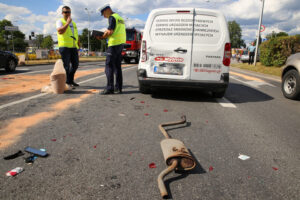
x=169, y=68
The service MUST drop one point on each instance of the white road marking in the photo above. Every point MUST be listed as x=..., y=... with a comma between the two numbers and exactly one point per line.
x=47, y=70
x=255, y=84
x=44, y=94
x=226, y=103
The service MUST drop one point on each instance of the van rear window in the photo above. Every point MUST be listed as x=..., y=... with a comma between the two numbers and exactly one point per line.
x=172, y=28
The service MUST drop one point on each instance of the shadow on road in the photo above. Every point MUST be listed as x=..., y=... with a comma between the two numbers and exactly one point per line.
x=236, y=93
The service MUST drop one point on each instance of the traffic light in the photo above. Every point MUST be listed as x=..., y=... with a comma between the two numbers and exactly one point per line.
x=32, y=34
x=29, y=37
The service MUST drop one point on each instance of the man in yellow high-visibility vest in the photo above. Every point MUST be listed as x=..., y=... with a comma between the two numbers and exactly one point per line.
x=68, y=43
x=116, y=34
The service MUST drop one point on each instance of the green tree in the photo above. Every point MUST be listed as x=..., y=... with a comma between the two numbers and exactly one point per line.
x=6, y=39
x=274, y=35
x=95, y=45
x=235, y=32
x=39, y=39
x=47, y=42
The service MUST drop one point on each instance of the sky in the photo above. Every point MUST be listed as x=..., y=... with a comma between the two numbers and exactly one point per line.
x=40, y=15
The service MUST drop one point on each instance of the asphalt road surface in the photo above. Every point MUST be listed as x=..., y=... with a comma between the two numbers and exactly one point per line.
x=100, y=147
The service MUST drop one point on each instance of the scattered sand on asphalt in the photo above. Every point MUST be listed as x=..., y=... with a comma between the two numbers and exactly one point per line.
x=16, y=127
x=20, y=84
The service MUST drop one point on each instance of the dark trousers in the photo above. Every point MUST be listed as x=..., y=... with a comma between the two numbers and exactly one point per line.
x=113, y=66
x=251, y=58
x=69, y=55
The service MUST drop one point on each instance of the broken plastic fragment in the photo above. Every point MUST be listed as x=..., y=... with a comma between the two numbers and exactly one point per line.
x=152, y=165
x=275, y=168
x=243, y=157
x=142, y=101
x=13, y=156
x=95, y=146
x=132, y=98
x=122, y=115
x=165, y=110
x=53, y=140
x=211, y=168
x=146, y=114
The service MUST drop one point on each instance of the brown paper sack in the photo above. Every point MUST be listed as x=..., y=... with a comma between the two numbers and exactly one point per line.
x=58, y=78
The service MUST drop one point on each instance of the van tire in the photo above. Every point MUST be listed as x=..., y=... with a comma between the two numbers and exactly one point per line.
x=127, y=60
x=219, y=94
x=144, y=89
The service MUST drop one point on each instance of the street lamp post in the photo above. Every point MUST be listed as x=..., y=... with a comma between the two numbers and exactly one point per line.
x=88, y=31
x=259, y=27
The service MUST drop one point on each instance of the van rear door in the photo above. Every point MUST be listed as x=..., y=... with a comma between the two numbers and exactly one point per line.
x=209, y=38
x=169, y=46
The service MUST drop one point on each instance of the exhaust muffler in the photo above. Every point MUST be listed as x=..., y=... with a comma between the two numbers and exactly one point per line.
x=176, y=155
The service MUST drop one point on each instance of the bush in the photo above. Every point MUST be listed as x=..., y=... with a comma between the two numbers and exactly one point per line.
x=276, y=50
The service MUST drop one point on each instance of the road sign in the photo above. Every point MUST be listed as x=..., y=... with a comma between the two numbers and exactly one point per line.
x=11, y=28
x=262, y=28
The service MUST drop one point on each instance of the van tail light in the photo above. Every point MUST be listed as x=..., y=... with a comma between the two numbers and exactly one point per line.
x=227, y=55
x=144, y=51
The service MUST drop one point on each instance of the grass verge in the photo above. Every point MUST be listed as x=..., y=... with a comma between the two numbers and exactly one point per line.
x=81, y=59
x=275, y=71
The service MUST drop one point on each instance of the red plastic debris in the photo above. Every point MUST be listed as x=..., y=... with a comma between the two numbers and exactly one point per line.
x=146, y=114
x=275, y=168
x=95, y=146
x=108, y=158
x=142, y=101
x=130, y=153
x=53, y=140
x=152, y=165
x=165, y=110
x=211, y=168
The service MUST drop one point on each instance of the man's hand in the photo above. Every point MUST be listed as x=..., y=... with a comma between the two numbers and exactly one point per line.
x=69, y=20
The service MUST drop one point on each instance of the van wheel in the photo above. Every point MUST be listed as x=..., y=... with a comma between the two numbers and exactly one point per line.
x=291, y=84
x=127, y=60
x=144, y=89
x=11, y=66
x=219, y=94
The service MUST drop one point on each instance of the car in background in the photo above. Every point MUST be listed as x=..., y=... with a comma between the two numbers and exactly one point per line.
x=8, y=61
x=290, y=84
x=245, y=57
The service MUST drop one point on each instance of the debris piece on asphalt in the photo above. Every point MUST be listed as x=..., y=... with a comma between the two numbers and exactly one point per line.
x=108, y=158
x=146, y=114
x=13, y=156
x=132, y=98
x=138, y=107
x=243, y=157
x=142, y=101
x=102, y=185
x=122, y=115
x=165, y=110
x=207, y=122
x=152, y=165
x=95, y=146
x=53, y=140
x=114, y=177
x=211, y=168
x=36, y=152
x=275, y=168
x=130, y=153
x=29, y=160
x=15, y=171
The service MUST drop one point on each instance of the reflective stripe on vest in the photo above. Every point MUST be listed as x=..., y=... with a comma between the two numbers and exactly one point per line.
x=68, y=39
x=119, y=35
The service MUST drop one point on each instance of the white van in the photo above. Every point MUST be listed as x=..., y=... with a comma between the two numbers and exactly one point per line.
x=185, y=48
